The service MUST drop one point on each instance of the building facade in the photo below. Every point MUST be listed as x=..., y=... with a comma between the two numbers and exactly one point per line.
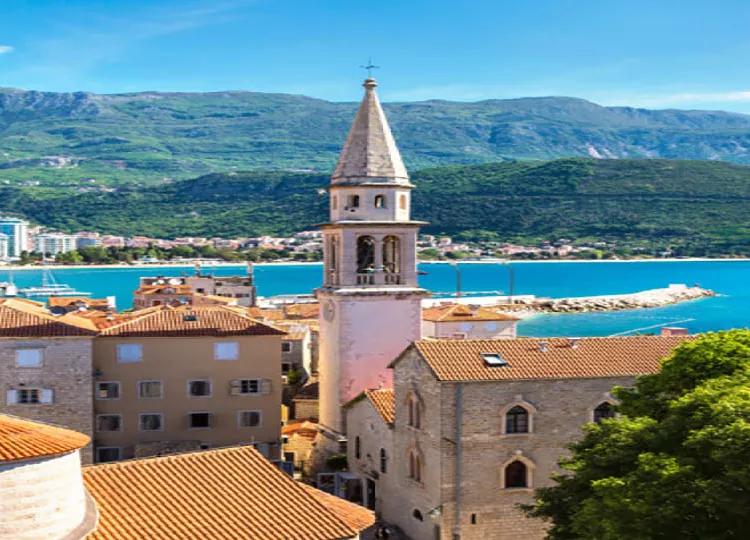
x=461, y=321
x=54, y=243
x=370, y=299
x=187, y=378
x=17, y=231
x=479, y=424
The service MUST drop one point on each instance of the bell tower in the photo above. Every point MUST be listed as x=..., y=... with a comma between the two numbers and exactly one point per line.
x=370, y=300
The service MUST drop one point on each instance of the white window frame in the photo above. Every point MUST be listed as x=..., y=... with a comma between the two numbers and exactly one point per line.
x=210, y=388
x=286, y=346
x=222, y=356
x=258, y=382
x=239, y=418
x=38, y=396
x=119, y=453
x=126, y=359
x=210, y=420
x=97, y=391
x=140, y=420
x=108, y=430
x=40, y=360
x=161, y=388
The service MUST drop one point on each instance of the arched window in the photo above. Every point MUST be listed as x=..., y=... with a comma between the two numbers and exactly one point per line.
x=402, y=202
x=516, y=475
x=415, y=466
x=365, y=254
x=517, y=420
x=353, y=201
x=392, y=254
x=357, y=447
x=379, y=201
x=383, y=461
x=415, y=413
x=603, y=411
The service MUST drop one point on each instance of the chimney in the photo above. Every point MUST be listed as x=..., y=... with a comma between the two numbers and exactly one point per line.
x=543, y=346
x=574, y=342
x=673, y=331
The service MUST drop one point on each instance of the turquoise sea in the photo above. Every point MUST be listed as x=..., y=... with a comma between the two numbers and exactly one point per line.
x=731, y=279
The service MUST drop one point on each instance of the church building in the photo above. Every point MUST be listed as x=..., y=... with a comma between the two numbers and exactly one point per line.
x=370, y=300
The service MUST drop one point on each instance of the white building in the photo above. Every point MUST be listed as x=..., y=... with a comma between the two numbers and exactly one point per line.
x=54, y=243
x=4, y=239
x=17, y=233
x=370, y=299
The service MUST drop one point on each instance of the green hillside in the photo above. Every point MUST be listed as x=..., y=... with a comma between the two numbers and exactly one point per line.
x=149, y=138
x=637, y=202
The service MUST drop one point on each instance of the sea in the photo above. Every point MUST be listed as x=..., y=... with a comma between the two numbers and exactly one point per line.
x=729, y=279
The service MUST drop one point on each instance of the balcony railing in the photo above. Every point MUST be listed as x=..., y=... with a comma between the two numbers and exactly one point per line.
x=366, y=279
x=392, y=279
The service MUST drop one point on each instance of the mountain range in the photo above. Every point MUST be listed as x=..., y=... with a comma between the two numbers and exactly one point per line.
x=152, y=137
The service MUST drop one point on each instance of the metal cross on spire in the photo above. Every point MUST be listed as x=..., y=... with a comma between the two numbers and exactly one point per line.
x=369, y=67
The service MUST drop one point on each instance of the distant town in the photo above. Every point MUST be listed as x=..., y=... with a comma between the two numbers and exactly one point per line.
x=22, y=243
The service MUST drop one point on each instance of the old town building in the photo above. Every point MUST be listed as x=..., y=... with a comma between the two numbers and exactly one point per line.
x=472, y=427
x=461, y=321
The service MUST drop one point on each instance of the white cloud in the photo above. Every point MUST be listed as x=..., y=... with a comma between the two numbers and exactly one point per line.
x=5, y=49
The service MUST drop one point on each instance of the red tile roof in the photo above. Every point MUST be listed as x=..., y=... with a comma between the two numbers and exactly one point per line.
x=462, y=312
x=22, y=439
x=24, y=318
x=461, y=360
x=208, y=320
x=384, y=403
x=225, y=494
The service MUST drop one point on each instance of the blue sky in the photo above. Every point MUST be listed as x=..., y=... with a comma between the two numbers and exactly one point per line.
x=656, y=54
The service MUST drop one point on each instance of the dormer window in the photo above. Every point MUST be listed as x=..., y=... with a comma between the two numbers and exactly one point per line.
x=379, y=201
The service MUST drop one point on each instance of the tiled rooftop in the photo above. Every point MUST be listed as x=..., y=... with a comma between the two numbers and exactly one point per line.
x=22, y=439
x=227, y=494
x=25, y=318
x=553, y=358
x=462, y=313
x=384, y=403
x=208, y=320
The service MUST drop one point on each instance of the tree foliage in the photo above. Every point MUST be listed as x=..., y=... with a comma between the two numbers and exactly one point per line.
x=675, y=464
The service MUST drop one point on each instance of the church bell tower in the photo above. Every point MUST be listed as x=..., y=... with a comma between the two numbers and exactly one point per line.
x=370, y=300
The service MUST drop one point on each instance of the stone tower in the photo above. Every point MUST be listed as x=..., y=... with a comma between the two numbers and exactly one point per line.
x=370, y=301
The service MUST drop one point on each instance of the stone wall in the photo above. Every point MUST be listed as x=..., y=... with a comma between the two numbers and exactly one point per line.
x=66, y=370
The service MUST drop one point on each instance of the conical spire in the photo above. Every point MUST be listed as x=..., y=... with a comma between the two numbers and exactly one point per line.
x=370, y=153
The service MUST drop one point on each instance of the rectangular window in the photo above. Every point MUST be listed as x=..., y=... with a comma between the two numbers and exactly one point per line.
x=199, y=420
x=286, y=367
x=249, y=386
x=129, y=352
x=149, y=389
x=248, y=418
x=29, y=396
x=286, y=346
x=108, y=453
x=199, y=388
x=109, y=422
x=28, y=358
x=226, y=350
x=107, y=390
x=151, y=422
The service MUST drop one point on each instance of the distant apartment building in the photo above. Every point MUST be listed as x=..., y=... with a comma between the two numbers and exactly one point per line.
x=4, y=244
x=54, y=243
x=187, y=378
x=46, y=366
x=88, y=239
x=17, y=233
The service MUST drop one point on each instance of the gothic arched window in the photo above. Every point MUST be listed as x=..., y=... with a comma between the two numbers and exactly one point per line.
x=415, y=414
x=517, y=420
x=392, y=254
x=379, y=201
x=415, y=466
x=516, y=475
x=365, y=254
x=383, y=461
x=357, y=447
x=603, y=411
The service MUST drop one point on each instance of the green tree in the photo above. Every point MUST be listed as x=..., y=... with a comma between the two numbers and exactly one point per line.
x=675, y=464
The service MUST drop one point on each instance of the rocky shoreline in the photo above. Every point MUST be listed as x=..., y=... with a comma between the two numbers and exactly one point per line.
x=616, y=302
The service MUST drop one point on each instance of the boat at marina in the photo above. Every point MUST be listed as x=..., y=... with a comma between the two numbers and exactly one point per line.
x=50, y=287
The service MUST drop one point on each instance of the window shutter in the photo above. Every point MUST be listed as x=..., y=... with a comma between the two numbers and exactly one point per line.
x=234, y=387
x=47, y=396
x=11, y=397
x=265, y=386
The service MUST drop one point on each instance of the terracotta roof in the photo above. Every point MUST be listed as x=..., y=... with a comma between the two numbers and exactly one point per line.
x=22, y=439
x=208, y=320
x=219, y=494
x=24, y=318
x=304, y=428
x=294, y=331
x=311, y=390
x=65, y=301
x=384, y=403
x=462, y=312
x=356, y=516
x=462, y=360
x=164, y=289
x=302, y=311
x=370, y=150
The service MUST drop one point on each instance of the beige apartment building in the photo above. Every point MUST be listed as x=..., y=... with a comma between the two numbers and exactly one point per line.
x=472, y=427
x=192, y=377
x=46, y=366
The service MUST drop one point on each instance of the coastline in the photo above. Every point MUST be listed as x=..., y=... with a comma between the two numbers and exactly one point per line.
x=16, y=268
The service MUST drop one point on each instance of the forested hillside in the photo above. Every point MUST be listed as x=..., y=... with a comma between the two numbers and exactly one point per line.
x=700, y=203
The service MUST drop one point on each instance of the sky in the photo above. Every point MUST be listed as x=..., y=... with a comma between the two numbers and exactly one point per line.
x=686, y=54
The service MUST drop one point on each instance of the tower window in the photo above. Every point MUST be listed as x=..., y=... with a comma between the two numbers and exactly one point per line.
x=517, y=420
x=379, y=201
x=603, y=411
x=353, y=201
x=365, y=254
x=334, y=202
x=415, y=466
x=392, y=254
x=357, y=447
x=383, y=461
x=516, y=475
x=402, y=202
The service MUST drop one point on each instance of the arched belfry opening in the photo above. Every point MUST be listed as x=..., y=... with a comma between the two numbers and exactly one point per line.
x=392, y=259
x=365, y=260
